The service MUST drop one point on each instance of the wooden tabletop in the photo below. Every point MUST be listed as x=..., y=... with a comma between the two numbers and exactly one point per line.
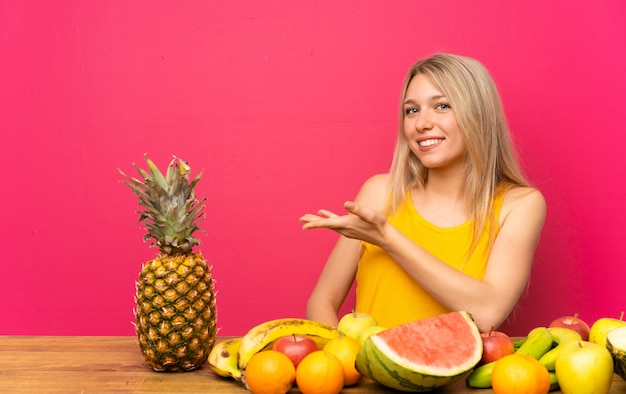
x=115, y=365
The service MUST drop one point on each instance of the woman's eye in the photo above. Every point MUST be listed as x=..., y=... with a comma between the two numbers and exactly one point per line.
x=443, y=106
x=409, y=111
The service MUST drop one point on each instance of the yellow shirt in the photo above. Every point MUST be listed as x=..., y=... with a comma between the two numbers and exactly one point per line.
x=385, y=291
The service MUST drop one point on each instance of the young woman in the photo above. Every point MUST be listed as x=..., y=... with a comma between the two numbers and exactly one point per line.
x=452, y=226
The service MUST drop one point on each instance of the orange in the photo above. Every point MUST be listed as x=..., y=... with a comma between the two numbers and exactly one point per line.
x=319, y=373
x=519, y=373
x=346, y=350
x=269, y=372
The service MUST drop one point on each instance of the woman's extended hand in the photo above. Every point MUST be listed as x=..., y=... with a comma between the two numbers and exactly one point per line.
x=360, y=223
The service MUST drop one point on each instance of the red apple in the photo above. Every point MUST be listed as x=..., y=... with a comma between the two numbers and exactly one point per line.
x=295, y=347
x=573, y=323
x=496, y=345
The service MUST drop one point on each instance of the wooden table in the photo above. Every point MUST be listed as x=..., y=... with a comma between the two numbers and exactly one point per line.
x=115, y=365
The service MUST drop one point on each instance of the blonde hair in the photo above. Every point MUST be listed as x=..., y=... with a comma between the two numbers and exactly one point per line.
x=491, y=158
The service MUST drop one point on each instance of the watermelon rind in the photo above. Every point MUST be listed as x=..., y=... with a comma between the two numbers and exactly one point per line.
x=379, y=362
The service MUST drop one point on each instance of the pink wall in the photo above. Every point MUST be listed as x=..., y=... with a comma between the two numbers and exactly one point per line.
x=288, y=108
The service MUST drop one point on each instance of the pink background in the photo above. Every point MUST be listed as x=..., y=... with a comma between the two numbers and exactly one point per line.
x=288, y=107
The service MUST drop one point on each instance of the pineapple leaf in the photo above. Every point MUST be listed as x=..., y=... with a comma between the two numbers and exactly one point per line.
x=196, y=180
x=170, y=212
x=184, y=167
x=145, y=175
x=156, y=174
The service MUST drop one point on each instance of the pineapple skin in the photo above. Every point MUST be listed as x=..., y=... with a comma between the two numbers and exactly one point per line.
x=176, y=312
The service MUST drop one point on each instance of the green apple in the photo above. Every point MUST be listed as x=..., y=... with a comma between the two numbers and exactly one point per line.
x=598, y=331
x=369, y=331
x=584, y=368
x=353, y=323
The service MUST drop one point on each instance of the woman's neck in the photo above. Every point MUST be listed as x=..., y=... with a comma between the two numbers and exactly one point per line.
x=442, y=200
x=447, y=185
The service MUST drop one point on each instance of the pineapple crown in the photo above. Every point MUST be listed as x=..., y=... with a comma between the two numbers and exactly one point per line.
x=171, y=210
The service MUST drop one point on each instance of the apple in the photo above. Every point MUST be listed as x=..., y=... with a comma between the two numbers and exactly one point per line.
x=353, y=323
x=573, y=323
x=584, y=368
x=369, y=331
x=295, y=347
x=598, y=331
x=496, y=345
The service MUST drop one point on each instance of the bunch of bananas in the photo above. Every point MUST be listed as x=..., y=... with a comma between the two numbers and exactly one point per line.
x=229, y=358
x=542, y=343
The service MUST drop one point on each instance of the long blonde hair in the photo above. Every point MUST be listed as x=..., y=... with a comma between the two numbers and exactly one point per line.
x=491, y=158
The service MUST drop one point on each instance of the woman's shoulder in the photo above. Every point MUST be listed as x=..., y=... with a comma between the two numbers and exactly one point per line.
x=526, y=200
x=524, y=193
x=378, y=181
x=375, y=191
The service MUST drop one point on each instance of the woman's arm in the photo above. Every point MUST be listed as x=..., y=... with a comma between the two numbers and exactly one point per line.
x=340, y=269
x=489, y=300
x=334, y=282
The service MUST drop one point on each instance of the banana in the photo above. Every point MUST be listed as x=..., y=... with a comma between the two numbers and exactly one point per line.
x=480, y=378
x=561, y=336
x=261, y=336
x=538, y=342
x=223, y=358
x=517, y=344
x=554, y=383
x=320, y=341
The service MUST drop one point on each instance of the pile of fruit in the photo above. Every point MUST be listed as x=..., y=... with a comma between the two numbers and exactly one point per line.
x=276, y=355
x=421, y=356
x=317, y=358
x=568, y=355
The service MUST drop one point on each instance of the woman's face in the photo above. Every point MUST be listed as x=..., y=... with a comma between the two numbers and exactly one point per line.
x=430, y=126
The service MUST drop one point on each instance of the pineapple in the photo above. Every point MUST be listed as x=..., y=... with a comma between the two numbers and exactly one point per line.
x=175, y=300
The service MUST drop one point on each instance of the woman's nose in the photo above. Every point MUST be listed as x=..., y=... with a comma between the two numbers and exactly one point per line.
x=423, y=122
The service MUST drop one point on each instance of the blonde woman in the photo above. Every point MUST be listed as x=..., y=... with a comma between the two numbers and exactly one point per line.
x=452, y=226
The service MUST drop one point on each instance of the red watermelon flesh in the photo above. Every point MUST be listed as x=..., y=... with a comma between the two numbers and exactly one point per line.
x=422, y=355
x=440, y=342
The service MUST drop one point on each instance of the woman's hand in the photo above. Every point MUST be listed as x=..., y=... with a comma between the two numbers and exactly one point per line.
x=360, y=223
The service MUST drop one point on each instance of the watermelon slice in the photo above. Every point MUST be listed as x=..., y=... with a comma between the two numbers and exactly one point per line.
x=422, y=355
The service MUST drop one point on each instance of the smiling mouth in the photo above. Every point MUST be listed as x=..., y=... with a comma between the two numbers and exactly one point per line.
x=430, y=142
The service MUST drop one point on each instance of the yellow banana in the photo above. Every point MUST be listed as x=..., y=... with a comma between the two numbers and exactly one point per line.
x=537, y=343
x=223, y=358
x=561, y=336
x=320, y=340
x=480, y=378
x=261, y=336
